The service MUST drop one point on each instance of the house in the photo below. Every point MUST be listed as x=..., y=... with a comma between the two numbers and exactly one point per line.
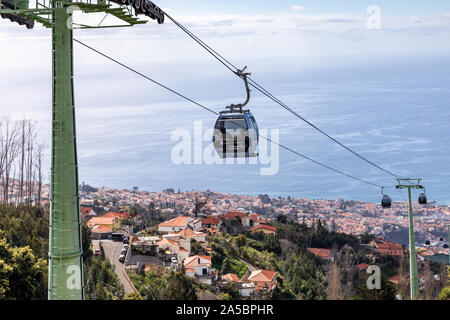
x=87, y=212
x=253, y=220
x=189, y=234
x=232, y=215
x=264, y=228
x=181, y=247
x=392, y=249
x=246, y=288
x=321, y=253
x=199, y=267
x=175, y=224
x=262, y=279
x=196, y=224
x=230, y=277
x=213, y=231
x=103, y=221
x=117, y=215
x=101, y=232
x=211, y=222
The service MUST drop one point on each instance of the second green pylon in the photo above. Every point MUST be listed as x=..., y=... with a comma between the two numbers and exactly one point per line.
x=65, y=278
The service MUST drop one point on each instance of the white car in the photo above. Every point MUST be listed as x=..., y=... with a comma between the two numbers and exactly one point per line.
x=174, y=260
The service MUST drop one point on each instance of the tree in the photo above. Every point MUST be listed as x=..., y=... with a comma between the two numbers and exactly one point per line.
x=443, y=274
x=132, y=296
x=445, y=294
x=387, y=291
x=180, y=287
x=198, y=205
x=429, y=282
x=241, y=240
x=23, y=276
x=402, y=279
x=281, y=218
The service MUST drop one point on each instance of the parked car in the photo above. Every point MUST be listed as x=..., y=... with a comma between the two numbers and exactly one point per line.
x=174, y=260
x=122, y=258
x=124, y=251
x=125, y=239
x=118, y=236
x=125, y=245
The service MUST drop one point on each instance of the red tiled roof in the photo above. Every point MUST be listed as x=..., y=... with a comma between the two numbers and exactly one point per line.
x=230, y=277
x=115, y=214
x=102, y=229
x=363, y=266
x=323, y=253
x=180, y=221
x=85, y=210
x=233, y=214
x=262, y=275
x=211, y=221
x=390, y=246
x=187, y=232
x=263, y=226
x=100, y=220
x=193, y=261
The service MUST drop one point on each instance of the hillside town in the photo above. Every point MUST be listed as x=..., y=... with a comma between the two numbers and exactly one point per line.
x=351, y=217
x=182, y=240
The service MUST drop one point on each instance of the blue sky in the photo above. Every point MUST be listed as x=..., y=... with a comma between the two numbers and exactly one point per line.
x=319, y=56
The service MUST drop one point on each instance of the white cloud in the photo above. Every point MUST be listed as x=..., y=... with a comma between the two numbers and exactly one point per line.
x=415, y=19
x=297, y=8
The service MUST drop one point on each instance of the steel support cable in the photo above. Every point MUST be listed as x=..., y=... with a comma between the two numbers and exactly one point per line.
x=216, y=113
x=261, y=89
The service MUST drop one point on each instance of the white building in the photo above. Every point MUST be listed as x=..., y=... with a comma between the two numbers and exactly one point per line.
x=174, y=225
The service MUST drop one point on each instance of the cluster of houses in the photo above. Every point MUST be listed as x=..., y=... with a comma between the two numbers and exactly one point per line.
x=177, y=234
x=253, y=283
x=172, y=247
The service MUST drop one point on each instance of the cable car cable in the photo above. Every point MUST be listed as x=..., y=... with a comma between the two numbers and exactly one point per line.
x=216, y=113
x=261, y=89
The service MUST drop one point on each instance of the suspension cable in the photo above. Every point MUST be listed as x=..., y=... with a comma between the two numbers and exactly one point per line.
x=216, y=113
x=261, y=89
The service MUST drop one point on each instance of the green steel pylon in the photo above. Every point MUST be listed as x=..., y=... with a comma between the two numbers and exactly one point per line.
x=413, y=273
x=65, y=276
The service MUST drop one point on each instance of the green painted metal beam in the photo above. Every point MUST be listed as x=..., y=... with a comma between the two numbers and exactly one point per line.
x=65, y=279
x=413, y=273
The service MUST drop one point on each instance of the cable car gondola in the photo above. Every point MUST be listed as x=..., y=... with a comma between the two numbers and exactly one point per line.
x=236, y=132
x=386, y=201
x=423, y=197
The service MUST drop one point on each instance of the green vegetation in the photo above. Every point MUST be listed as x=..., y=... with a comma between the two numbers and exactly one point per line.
x=159, y=285
x=445, y=294
x=101, y=281
x=23, y=276
x=24, y=258
x=233, y=265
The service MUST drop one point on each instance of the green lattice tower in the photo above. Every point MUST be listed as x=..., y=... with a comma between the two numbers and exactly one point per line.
x=65, y=278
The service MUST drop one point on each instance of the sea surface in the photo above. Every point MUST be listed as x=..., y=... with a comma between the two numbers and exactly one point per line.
x=395, y=113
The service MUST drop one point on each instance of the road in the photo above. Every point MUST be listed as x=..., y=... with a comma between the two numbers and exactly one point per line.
x=112, y=253
x=250, y=267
